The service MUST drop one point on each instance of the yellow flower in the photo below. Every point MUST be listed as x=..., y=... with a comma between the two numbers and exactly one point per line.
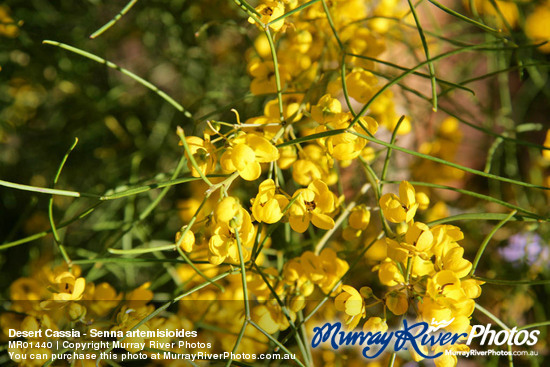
x=396, y=251
x=314, y=164
x=287, y=156
x=453, y=260
x=305, y=171
x=187, y=242
x=271, y=318
x=347, y=146
x=507, y=10
x=223, y=243
x=402, y=208
x=267, y=206
x=445, y=237
x=423, y=200
x=350, y=301
x=397, y=302
x=313, y=205
x=27, y=289
x=127, y=318
x=291, y=108
x=445, y=288
x=270, y=10
x=328, y=110
x=263, y=74
x=104, y=296
x=389, y=274
x=70, y=288
x=418, y=239
x=439, y=211
x=375, y=324
x=361, y=85
x=359, y=218
x=325, y=270
x=362, y=41
x=259, y=288
x=448, y=360
x=139, y=297
x=204, y=153
x=227, y=209
x=471, y=287
x=246, y=154
x=350, y=234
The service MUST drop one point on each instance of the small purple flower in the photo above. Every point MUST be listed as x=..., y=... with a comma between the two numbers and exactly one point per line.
x=525, y=246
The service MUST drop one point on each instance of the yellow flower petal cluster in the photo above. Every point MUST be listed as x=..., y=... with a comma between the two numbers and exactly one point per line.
x=245, y=155
x=313, y=205
x=269, y=11
x=204, y=154
x=324, y=270
x=402, y=208
x=223, y=244
x=351, y=302
x=268, y=206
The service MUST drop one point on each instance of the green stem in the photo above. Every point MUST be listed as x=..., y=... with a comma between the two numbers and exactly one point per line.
x=45, y=233
x=276, y=72
x=487, y=239
x=332, y=27
x=293, y=11
x=345, y=84
x=410, y=71
x=388, y=154
x=190, y=156
x=447, y=163
x=281, y=346
x=466, y=19
x=56, y=237
x=427, y=52
x=492, y=317
x=243, y=274
x=238, y=342
x=535, y=325
x=126, y=72
x=138, y=251
x=115, y=19
x=392, y=359
x=311, y=137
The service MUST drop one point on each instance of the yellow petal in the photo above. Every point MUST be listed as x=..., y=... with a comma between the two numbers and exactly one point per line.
x=407, y=194
x=265, y=151
x=251, y=172
x=242, y=156
x=299, y=223
x=322, y=221
x=78, y=288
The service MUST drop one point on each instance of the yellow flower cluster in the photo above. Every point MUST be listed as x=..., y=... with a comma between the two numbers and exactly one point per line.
x=281, y=171
x=425, y=271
